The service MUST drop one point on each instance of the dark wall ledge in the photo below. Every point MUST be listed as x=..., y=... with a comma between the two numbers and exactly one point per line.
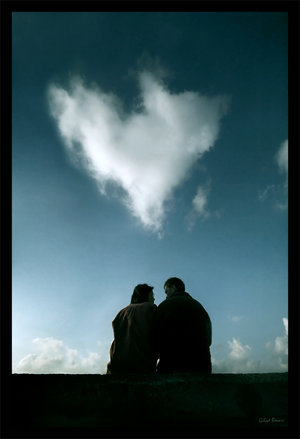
x=152, y=405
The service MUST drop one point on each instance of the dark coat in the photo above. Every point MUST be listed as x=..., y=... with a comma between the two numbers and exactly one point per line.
x=133, y=350
x=184, y=335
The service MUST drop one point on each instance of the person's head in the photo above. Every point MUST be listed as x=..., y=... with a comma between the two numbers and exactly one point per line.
x=142, y=293
x=174, y=285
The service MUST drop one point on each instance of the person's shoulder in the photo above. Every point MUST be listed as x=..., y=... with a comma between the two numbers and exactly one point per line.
x=162, y=304
x=188, y=296
x=148, y=305
x=124, y=310
x=121, y=314
x=198, y=305
x=192, y=299
x=167, y=305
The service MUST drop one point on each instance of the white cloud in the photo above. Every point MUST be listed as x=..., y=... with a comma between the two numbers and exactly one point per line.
x=52, y=357
x=238, y=350
x=282, y=157
x=286, y=325
x=279, y=348
x=238, y=359
x=148, y=152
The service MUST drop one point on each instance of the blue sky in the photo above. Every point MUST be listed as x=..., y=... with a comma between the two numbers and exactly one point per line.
x=149, y=145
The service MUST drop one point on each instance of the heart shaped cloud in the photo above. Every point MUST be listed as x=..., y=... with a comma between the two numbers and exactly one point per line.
x=147, y=152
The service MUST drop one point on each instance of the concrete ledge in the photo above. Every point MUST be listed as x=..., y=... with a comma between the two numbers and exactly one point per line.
x=171, y=404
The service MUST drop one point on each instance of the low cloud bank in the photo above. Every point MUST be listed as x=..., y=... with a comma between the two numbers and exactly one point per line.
x=146, y=153
x=239, y=358
x=52, y=356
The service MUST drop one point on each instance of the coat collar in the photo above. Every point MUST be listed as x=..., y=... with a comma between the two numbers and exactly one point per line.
x=176, y=293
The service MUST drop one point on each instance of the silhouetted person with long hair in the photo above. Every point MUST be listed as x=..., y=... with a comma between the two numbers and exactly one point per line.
x=184, y=331
x=133, y=347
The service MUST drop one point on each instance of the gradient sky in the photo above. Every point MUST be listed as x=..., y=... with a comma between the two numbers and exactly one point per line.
x=145, y=146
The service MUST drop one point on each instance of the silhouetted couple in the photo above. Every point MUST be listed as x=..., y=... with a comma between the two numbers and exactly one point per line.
x=172, y=337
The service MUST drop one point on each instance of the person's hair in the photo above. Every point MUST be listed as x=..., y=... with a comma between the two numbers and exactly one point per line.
x=141, y=293
x=176, y=282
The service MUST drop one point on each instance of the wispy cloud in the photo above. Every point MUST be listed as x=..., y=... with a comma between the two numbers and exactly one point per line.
x=200, y=208
x=282, y=158
x=146, y=153
x=270, y=189
x=235, y=318
x=200, y=202
x=278, y=192
x=51, y=356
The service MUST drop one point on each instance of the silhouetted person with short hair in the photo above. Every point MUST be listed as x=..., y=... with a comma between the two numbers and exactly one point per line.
x=133, y=349
x=183, y=332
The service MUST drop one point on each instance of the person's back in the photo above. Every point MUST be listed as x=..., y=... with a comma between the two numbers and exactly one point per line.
x=133, y=350
x=183, y=334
